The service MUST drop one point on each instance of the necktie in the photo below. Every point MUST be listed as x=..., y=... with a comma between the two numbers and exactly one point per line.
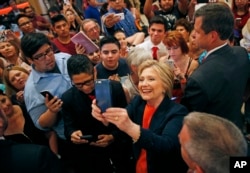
x=154, y=52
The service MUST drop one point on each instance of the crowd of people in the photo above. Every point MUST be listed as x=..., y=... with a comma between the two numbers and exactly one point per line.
x=180, y=86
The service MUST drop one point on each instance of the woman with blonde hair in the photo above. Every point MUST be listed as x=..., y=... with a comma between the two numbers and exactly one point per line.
x=15, y=78
x=151, y=119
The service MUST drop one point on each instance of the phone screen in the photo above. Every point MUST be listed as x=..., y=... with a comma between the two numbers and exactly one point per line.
x=103, y=94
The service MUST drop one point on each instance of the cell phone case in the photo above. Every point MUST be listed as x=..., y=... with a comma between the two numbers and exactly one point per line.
x=103, y=94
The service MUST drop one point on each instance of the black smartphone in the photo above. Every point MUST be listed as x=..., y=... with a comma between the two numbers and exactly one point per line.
x=44, y=93
x=90, y=138
x=103, y=94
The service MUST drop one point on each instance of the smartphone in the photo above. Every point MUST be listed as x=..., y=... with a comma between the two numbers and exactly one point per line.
x=103, y=94
x=90, y=138
x=66, y=2
x=170, y=62
x=44, y=93
x=121, y=15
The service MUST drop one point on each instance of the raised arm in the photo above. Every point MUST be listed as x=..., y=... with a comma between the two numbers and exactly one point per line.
x=147, y=9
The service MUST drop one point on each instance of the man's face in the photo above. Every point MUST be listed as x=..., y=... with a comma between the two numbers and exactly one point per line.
x=116, y=4
x=92, y=30
x=29, y=12
x=167, y=5
x=61, y=28
x=26, y=25
x=201, y=39
x=43, y=59
x=110, y=55
x=83, y=82
x=157, y=33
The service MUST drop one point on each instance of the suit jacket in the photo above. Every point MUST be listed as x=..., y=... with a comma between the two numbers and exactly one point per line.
x=217, y=86
x=77, y=115
x=161, y=139
x=27, y=158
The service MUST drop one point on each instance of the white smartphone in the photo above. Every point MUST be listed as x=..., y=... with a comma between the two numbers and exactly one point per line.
x=121, y=15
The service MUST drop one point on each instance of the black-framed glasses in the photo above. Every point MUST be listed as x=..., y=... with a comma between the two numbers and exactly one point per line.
x=86, y=83
x=41, y=56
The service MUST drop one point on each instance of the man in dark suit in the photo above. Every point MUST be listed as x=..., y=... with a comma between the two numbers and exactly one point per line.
x=28, y=158
x=217, y=86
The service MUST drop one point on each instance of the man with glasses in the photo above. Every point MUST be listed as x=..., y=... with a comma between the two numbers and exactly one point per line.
x=38, y=22
x=26, y=26
x=49, y=72
x=92, y=29
x=92, y=155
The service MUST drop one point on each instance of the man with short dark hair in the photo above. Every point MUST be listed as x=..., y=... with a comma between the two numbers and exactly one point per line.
x=49, y=73
x=76, y=110
x=63, y=41
x=111, y=66
x=217, y=86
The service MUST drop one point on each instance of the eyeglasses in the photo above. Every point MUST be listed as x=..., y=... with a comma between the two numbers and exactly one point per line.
x=25, y=23
x=95, y=28
x=41, y=56
x=86, y=83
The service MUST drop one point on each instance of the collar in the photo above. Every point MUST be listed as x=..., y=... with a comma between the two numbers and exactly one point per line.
x=213, y=50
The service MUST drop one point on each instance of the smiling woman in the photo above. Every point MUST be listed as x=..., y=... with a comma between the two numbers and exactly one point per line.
x=10, y=54
x=152, y=120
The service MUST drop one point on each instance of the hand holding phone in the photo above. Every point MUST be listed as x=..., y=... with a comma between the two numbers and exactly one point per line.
x=90, y=138
x=121, y=15
x=44, y=93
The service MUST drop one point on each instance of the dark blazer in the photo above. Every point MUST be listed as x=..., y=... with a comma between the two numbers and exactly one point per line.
x=27, y=158
x=77, y=115
x=161, y=139
x=218, y=84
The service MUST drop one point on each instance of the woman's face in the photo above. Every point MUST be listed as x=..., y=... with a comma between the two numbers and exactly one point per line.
x=6, y=105
x=174, y=52
x=7, y=49
x=95, y=57
x=70, y=16
x=18, y=79
x=150, y=86
x=183, y=31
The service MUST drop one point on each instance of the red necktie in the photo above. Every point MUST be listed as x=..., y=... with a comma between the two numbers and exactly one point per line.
x=154, y=50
